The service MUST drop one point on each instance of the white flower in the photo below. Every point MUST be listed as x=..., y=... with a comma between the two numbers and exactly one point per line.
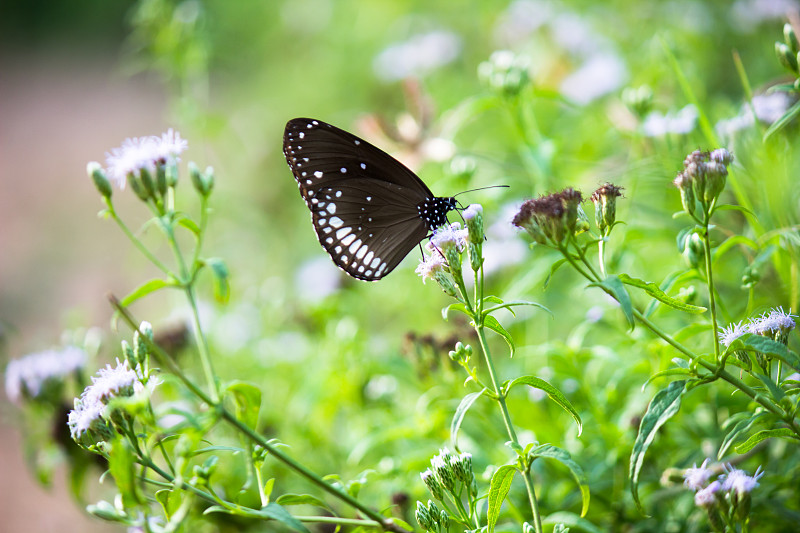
x=695, y=478
x=731, y=333
x=140, y=153
x=746, y=14
x=430, y=266
x=83, y=416
x=776, y=320
x=418, y=55
x=768, y=108
x=317, y=279
x=451, y=235
x=656, y=124
x=29, y=373
x=111, y=382
x=707, y=497
x=599, y=75
x=472, y=211
x=739, y=481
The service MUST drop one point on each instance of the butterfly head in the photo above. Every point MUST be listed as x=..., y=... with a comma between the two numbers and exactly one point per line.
x=434, y=210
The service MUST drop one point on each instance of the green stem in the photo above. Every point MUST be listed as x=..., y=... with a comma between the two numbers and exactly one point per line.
x=512, y=435
x=601, y=252
x=710, y=281
x=167, y=362
x=136, y=242
x=213, y=498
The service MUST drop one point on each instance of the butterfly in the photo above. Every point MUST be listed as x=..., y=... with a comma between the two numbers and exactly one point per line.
x=368, y=209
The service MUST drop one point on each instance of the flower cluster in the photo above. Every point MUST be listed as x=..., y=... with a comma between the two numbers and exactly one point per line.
x=728, y=495
x=90, y=421
x=505, y=72
x=30, y=376
x=775, y=324
x=703, y=177
x=551, y=218
x=443, y=262
x=148, y=164
x=449, y=474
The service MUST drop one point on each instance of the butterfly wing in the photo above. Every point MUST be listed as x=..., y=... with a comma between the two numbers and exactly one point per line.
x=364, y=203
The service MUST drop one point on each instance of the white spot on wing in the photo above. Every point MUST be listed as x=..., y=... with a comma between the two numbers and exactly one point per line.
x=336, y=222
x=340, y=233
x=302, y=135
x=343, y=170
x=331, y=208
x=350, y=238
x=364, y=166
x=318, y=174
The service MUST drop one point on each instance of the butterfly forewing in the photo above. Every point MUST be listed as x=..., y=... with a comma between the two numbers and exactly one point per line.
x=367, y=208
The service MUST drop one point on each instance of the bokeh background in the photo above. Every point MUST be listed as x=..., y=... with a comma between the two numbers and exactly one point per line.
x=364, y=365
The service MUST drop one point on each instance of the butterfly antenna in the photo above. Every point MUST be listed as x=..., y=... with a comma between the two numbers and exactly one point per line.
x=481, y=189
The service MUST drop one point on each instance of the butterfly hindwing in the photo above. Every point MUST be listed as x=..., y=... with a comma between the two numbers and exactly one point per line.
x=367, y=208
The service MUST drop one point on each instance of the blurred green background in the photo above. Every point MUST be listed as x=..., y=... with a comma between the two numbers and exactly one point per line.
x=356, y=375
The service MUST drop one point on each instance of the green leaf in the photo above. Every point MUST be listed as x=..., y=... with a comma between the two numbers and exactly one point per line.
x=144, y=289
x=683, y=372
x=222, y=286
x=548, y=451
x=461, y=411
x=554, y=394
x=555, y=266
x=123, y=469
x=653, y=290
x=771, y=348
x=498, y=490
x=730, y=207
x=454, y=307
x=515, y=303
x=271, y=511
x=783, y=121
x=189, y=224
x=573, y=521
x=492, y=323
x=492, y=299
x=743, y=424
x=662, y=407
x=774, y=391
x=247, y=402
x=300, y=499
x=615, y=288
x=732, y=241
x=765, y=434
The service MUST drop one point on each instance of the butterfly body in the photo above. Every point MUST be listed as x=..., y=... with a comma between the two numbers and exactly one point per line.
x=367, y=208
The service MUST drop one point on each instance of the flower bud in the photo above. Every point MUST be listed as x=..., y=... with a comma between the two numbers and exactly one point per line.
x=148, y=184
x=130, y=356
x=605, y=206
x=433, y=485
x=161, y=179
x=140, y=350
x=473, y=216
x=694, y=251
x=790, y=38
x=639, y=100
x=443, y=471
x=444, y=521
x=505, y=72
x=786, y=57
x=138, y=188
x=423, y=517
x=99, y=178
x=463, y=167
x=203, y=182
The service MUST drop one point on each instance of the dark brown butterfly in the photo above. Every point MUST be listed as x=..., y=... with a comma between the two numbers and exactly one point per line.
x=368, y=209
